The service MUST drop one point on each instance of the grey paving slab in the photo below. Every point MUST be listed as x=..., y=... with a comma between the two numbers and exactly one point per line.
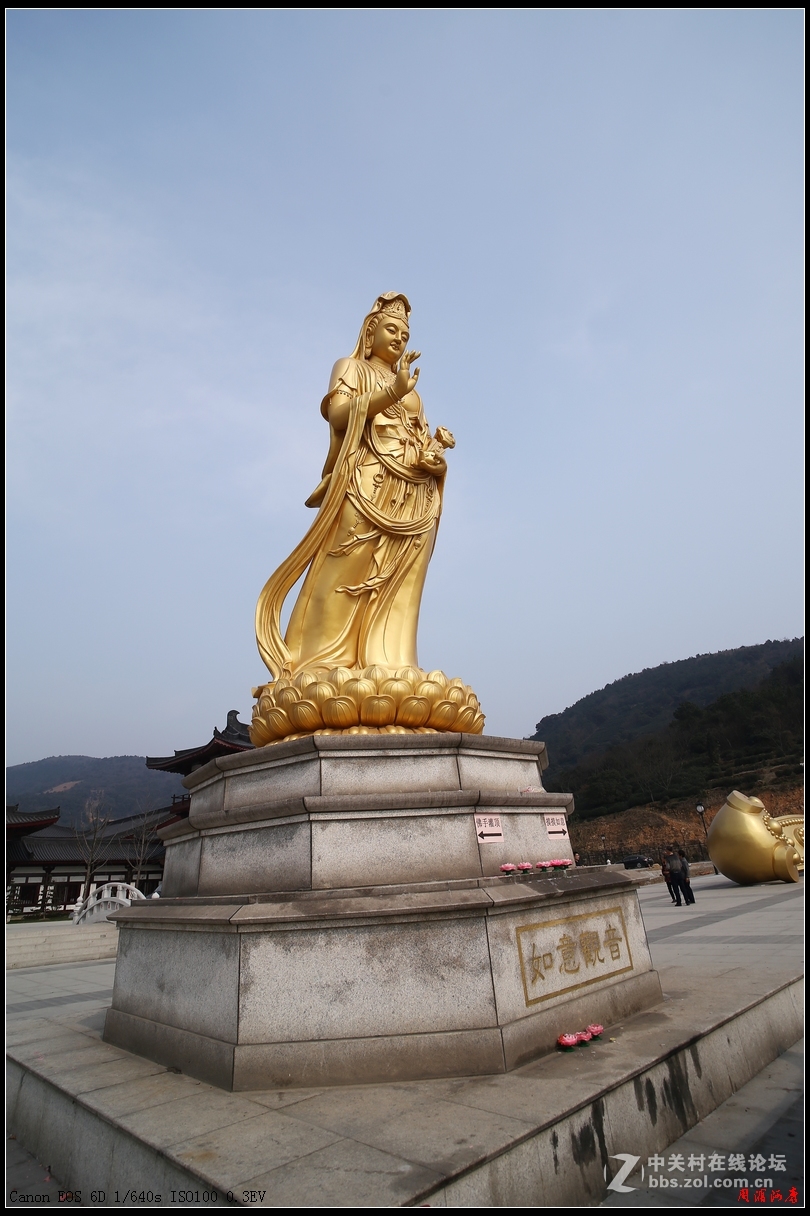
x=57, y=1040
x=275, y=1099
x=83, y=1079
x=65, y=1057
x=785, y=1137
x=161, y=1088
x=66, y=984
x=28, y=1183
x=93, y=996
x=229, y=1155
x=185, y=1118
x=411, y=1124
x=755, y=927
x=324, y=1178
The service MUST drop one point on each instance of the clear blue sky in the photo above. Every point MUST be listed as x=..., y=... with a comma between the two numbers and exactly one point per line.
x=598, y=219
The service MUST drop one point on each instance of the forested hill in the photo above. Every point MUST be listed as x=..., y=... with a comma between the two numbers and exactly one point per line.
x=128, y=786
x=644, y=703
x=751, y=739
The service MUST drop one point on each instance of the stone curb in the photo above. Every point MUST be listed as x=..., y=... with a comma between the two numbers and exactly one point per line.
x=484, y=897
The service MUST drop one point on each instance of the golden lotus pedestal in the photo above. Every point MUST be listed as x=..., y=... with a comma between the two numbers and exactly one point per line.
x=364, y=701
x=334, y=912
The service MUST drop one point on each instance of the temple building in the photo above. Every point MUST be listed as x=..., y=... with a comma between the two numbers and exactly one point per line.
x=234, y=738
x=47, y=863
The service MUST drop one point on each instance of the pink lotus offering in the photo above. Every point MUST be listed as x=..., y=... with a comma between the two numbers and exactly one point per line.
x=561, y=863
x=508, y=868
x=595, y=1030
x=525, y=865
x=584, y=1036
x=544, y=865
x=567, y=1042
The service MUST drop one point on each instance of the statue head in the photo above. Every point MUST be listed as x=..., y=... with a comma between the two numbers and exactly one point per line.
x=391, y=310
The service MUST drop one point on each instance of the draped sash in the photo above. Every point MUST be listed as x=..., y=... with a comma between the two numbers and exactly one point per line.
x=342, y=482
x=272, y=647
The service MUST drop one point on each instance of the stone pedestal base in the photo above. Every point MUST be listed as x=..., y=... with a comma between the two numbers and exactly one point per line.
x=395, y=952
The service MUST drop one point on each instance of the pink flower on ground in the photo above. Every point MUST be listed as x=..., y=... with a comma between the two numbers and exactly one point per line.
x=544, y=865
x=584, y=1036
x=525, y=865
x=567, y=1040
x=595, y=1029
x=508, y=868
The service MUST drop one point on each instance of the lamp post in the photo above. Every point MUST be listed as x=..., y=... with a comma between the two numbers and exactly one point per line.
x=701, y=810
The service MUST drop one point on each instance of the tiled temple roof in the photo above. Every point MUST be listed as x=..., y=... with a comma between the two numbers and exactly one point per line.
x=22, y=823
x=234, y=738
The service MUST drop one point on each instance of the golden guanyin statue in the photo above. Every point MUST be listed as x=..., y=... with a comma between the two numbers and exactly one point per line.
x=348, y=662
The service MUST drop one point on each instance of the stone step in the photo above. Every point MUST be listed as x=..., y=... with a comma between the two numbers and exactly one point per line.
x=45, y=945
x=543, y=1135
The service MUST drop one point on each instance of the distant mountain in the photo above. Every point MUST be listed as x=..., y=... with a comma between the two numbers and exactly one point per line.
x=644, y=703
x=68, y=781
x=751, y=739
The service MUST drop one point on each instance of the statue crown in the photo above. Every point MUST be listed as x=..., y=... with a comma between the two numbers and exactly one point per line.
x=396, y=307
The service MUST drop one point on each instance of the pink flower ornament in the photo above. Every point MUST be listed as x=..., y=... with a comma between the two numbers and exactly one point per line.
x=583, y=1037
x=544, y=865
x=508, y=868
x=567, y=1042
x=525, y=865
x=595, y=1030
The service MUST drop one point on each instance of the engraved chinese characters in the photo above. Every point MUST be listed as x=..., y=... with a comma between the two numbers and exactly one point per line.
x=558, y=956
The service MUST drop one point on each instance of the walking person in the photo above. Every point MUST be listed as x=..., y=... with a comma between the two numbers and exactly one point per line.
x=675, y=876
x=688, y=893
x=667, y=876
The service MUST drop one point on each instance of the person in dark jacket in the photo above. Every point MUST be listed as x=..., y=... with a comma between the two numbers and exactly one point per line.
x=675, y=877
x=667, y=876
x=688, y=893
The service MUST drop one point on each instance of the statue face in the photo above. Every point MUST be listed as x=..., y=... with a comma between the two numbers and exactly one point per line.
x=390, y=338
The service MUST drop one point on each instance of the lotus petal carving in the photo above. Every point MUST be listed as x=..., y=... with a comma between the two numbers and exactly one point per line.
x=371, y=701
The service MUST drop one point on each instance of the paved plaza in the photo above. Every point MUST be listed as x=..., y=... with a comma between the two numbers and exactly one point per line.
x=732, y=939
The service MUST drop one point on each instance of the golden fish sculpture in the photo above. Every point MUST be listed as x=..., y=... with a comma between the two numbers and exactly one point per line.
x=749, y=846
x=347, y=662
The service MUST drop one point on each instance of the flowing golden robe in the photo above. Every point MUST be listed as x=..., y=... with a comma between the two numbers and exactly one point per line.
x=368, y=550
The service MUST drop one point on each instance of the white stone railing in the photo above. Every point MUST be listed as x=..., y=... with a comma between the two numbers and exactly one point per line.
x=102, y=901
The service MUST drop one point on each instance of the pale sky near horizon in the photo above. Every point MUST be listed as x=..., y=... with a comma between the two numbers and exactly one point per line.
x=598, y=218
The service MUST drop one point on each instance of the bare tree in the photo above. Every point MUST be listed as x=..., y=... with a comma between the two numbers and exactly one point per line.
x=655, y=765
x=91, y=836
x=142, y=839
